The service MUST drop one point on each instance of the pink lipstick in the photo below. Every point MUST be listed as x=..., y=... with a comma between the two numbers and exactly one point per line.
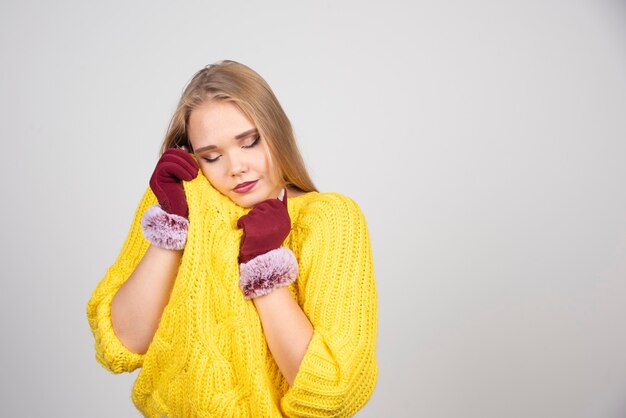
x=245, y=187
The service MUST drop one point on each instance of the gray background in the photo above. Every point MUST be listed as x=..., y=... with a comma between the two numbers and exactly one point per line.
x=483, y=140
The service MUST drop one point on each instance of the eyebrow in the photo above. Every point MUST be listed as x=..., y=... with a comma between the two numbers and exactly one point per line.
x=240, y=136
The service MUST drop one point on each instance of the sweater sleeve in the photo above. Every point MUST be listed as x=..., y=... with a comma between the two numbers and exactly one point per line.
x=337, y=292
x=110, y=352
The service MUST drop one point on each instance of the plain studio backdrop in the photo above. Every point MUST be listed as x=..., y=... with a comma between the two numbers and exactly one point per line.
x=485, y=142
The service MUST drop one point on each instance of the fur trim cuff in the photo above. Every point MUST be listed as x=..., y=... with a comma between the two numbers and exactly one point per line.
x=266, y=272
x=163, y=229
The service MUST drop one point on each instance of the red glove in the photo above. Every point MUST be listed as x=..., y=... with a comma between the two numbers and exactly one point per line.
x=265, y=228
x=174, y=165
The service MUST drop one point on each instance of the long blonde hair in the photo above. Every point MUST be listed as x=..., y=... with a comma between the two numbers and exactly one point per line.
x=235, y=82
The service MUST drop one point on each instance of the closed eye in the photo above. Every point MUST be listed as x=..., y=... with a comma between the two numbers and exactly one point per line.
x=250, y=145
x=211, y=160
x=253, y=143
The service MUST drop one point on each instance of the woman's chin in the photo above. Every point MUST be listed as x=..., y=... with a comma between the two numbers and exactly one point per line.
x=252, y=198
x=246, y=200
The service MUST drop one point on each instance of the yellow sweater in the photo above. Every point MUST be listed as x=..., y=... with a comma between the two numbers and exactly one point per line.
x=209, y=357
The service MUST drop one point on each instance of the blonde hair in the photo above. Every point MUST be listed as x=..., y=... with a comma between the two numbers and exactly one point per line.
x=231, y=81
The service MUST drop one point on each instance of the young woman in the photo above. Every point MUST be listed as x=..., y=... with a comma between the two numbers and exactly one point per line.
x=240, y=290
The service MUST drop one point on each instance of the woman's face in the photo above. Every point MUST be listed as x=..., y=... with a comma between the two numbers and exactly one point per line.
x=231, y=154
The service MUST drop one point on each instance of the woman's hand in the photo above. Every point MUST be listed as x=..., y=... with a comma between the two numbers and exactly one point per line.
x=174, y=166
x=264, y=264
x=165, y=225
x=265, y=228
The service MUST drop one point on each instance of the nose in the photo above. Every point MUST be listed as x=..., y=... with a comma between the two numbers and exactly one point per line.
x=238, y=165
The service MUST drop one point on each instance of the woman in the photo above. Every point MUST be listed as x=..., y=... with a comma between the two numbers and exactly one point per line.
x=242, y=291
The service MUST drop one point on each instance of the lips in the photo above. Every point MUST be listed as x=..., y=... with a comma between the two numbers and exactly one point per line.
x=245, y=187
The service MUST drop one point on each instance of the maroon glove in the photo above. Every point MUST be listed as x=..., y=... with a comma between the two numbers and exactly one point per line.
x=173, y=166
x=265, y=228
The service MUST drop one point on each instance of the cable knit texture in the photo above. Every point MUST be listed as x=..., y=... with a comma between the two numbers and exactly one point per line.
x=209, y=357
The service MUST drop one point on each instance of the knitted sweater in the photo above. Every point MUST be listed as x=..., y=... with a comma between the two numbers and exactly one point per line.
x=209, y=357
